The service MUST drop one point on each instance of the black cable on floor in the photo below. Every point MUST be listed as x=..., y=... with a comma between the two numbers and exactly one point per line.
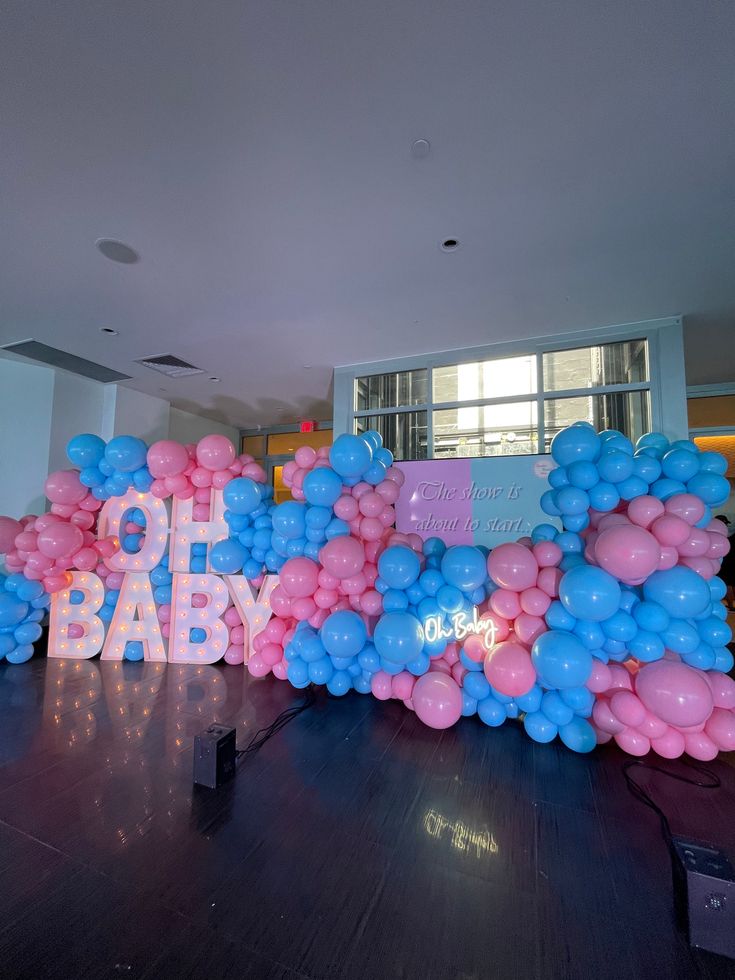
x=262, y=735
x=643, y=796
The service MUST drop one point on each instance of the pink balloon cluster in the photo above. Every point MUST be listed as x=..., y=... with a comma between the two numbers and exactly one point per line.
x=649, y=535
x=48, y=547
x=666, y=706
x=191, y=471
x=305, y=460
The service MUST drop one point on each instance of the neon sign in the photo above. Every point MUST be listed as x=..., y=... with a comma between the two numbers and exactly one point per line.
x=461, y=628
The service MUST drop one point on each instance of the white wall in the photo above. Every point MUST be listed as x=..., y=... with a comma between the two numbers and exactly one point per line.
x=185, y=427
x=26, y=405
x=129, y=412
x=78, y=406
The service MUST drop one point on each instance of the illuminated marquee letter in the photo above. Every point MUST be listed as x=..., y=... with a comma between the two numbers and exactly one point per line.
x=185, y=618
x=254, y=613
x=81, y=616
x=156, y=530
x=135, y=619
x=185, y=531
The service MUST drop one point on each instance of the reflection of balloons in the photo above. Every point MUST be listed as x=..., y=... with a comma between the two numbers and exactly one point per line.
x=437, y=700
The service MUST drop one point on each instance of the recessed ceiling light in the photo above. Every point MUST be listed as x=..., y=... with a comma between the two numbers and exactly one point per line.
x=213, y=378
x=109, y=331
x=420, y=149
x=117, y=251
x=449, y=245
x=308, y=367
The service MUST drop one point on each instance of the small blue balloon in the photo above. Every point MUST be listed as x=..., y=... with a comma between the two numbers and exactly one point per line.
x=491, y=712
x=680, y=591
x=350, y=455
x=561, y=660
x=322, y=487
x=126, y=453
x=538, y=726
x=398, y=637
x=344, y=634
x=464, y=567
x=555, y=708
x=242, y=495
x=575, y=443
x=578, y=735
x=85, y=450
x=710, y=487
x=399, y=567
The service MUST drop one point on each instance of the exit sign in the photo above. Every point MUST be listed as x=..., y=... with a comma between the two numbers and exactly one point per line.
x=307, y=426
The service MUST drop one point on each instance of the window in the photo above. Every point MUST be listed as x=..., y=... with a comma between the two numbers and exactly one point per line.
x=505, y=406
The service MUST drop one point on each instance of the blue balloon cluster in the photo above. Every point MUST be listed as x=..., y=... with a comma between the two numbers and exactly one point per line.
x=110, y=469
x=333, y=655
x=23, y=604
x=249, y=516
x=599, y=471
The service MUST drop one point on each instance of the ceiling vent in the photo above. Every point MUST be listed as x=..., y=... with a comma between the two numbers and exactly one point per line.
x=65, y=361
x=170, y=365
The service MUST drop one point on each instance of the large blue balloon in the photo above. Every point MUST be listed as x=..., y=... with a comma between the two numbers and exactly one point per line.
x=289, y=519
x=680, y=591
x=588, y=592
x=679, y=464
x=322, y=487
x=712, y=488
x=399, y=637
x=578, y=442
x=228, y=556
x=85, y=450
x=464, y=567
x=242, y=495
x=343, y=634
x=399, y=567
x=561, y=660
x=126, y=453
x=12, y=609
x=350, y=455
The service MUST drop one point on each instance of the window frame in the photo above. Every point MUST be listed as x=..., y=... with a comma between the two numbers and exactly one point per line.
x=665, y=353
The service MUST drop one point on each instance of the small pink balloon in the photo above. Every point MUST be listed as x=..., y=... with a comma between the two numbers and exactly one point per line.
x=528, y=628
x=27, y=541
x=687, y=506
x=451, y=654
x=201, y=477
x=600, y=677
x=633, y=743
x=676, y=693
x=160, y=490
x=627, y=552
x=257, y=667
x=164, y=613
x=718, y=546
x=372, y=603
x=700, y=746
x=534, y=601
x=202, y=495
x=643, y=511
x=303, y=608
x=720, y=727
x=505, y=603
x=670, y=530
x=390, y=492
x=395, y=475
x=371, y=528
x=305, y=457
x=9, y=531
x=437, y=700
x=237, y=635
x=346, y=508
x=723, y=689
x=220, y=479
x=459, y=672
x=702, y=566
x=75, y=631
x=620, y=678
x=670, y=745
x=85, y=559
x=232, y=616
x=512, y=566
x=627, y=708
x=280, y=602
x=55, y=583
x=234, y=654
x=696, y=545
x=652, y=727
x=62, y=510
x=200, y=512
x=280, y=670
x=402, y=685
x=371, y=504
x=547, y=553
x=717, y=527
x=548, y=581
x=60, y=540
x=215, y=452
x=509, y=669
x=605, y=719
x=325, y=598
x=355, y=584
x=669, y=558
x=380, y=685
x=271, y=654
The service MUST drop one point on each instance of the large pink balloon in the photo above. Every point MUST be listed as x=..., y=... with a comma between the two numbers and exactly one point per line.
x=513, y=566
x=300, y=577
x=167, y=458
x=509, y=669
x=63, y=487
x=628, y=552
x=687, y=506
x=342, y=557
x=643, y=511
x=678, y=694
x=60, y=540
x=215, y=452
x=437, y=700
x=9, y=530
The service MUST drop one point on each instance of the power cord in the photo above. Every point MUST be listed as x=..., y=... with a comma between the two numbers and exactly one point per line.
x=643, y=796
x=262, y=735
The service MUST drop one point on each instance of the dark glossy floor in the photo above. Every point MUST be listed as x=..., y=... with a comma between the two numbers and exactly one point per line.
x=356, y=844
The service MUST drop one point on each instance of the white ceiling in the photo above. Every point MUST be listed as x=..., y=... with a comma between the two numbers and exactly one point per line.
x=257, y=155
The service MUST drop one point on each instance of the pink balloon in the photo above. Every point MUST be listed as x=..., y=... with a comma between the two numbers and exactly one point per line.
x=402, y=685
x=27, y=541
x=390, y=492
x=203, y=495
x=220, y=479
x=548, y=580
x=371, y=528
x=437, y=700
x=355, y=584
x=678, y=694
x=628, y=552
x=200, y=512
x=633, y=743
x=528, y=628
x=720, y=727
x=234, y=654
x=325, y=598
x=342, y=557
x=509, y=669
x=600, y=677
x=280, y=602
x=652, y=727
x=395, y=475
x=547, y=553
x=670, y=530
x=9, y=531
x=687, y=506
x=305, y=457
x=669, y=558
x=346, y=508
x=60, y=540
x=512, y=566
x=85, y=559
x=37, y=562
x=627, y=708
x=257, y=667
x=700, y=746
x=63, y=487
x=605, y=719
x=696, y=545
x=300, y=577
x=535, y=601
x=505, y=603
x=75, y=631
x=670, y=745
x=57, y=582
x=643, y=511
x=215, y=452
x=201, y=477
x=237, y=635
x=372, y=603
x=702, y=566
x=159, y=489
x=166, y=458
x=371, y=504
x=380, y=685
x=303, y=608
x=199, y=600
x=271, y=654
x=723, y=689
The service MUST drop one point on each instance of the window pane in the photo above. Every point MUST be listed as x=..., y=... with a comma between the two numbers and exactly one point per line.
x=286, y=443
x=254, y=445
x=403, y=433
x=494, y=430
x=591, y=367
x=628, y=411
x=485, y=379
x=391, y=390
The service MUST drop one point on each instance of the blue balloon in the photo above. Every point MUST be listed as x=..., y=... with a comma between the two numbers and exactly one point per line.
x=615, y=466
x=548, y=503
x=710, y=487
x=242, y=495
x=322, y=487
x=126, y=453
x=711, y=462
x=680, y=464
x=197, y=635
x=374, y=438
x=298, y=673
x=603, y=497
x=543, y=532
x=653, y=440
x=588, y=592
x=703, y=658
x=575, y=443
x=398, y=637
x=85, y=450
x=571, y=500
x=576, y=522
x=590, y=634
x=464, y=567
x=712, y=630
x=578, y=735
x=531, y=700
x=91, y=476
x=289, y=519
x=665, y=488
x=384, y=456
x=350, y=455
x=583, y=474
x=491, y=712
x=557, y=617
x=344, y=634
x=680, y=591
x=580, y=699
x=538, y=726
x=27, y=633
x=633, y=487
x=561, y=660
x=395, y=600
x=375, y=473
x=680, y=635
x=570, y=542
x=646, y=468
x=321, y=671
x=28, y=590
x=476, y=685
x=399, y=567
x=620, y=626
x=12, y=609
x=555, y=708
x=339, y=683
x=228, y=556
x=21, y=654
x=336, y=528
